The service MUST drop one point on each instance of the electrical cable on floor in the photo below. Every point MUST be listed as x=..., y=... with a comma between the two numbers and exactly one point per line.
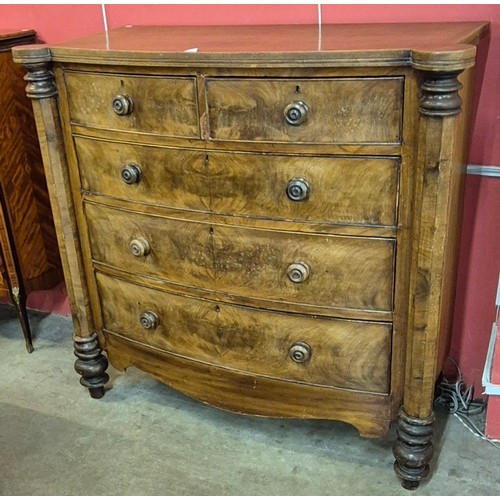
x=458, y=400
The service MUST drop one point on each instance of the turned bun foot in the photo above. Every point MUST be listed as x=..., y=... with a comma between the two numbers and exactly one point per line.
x=409, y=485
x=97, y=392
x=91, y=365
x=413, y=449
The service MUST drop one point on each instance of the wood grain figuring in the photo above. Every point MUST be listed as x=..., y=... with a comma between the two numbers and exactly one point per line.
x=438, y=217
x=268, y=224
x=164, y=106
x=340, y=110
x=180, y=250
x=271, y=223
x=351, y=273
x=171, y=177
x=455, y=209
x=54, y=158
x=250, y=394
x=357, y=272
x=24, y=185
x=345, y=354
x=28, y=249
x=343, y=190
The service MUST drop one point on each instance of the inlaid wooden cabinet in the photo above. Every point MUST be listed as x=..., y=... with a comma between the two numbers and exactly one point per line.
x=29, y=256
x=267, y=225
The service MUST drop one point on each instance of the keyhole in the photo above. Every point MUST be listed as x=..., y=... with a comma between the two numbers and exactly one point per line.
x=297, y=89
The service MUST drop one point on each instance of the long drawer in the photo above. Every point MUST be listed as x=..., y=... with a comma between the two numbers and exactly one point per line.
x=311, y=269
x=346, y=190
x=345, y=354
x=158, y=105
x=336, y=110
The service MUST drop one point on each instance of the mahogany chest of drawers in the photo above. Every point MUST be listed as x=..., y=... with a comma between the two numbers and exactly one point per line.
x=264, y=218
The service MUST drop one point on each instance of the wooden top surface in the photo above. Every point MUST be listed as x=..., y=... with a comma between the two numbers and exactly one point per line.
x=303, y=44
x=9, y=38
x=9, y=34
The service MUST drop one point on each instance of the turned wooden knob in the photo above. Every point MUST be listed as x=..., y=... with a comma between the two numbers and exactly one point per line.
x=149, y=320
x=300, y=352
x=139, y=247
x=297, y=189
x=122, y=104
x=298, y=272
x=130, y=173
x=296, y=113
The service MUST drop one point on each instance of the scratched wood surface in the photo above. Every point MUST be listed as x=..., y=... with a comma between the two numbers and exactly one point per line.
x=344, y=190
x=222, y=47
x=165, y=106
x=353, y=273
x=253, y=394
x=253, y=110
x=377, y=232
x=345, y=354
x=170, y=177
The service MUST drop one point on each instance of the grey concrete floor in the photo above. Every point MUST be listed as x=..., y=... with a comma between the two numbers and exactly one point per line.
x=144, y=439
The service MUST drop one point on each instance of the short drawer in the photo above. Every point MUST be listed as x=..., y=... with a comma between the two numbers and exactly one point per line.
x=303, y=269
x=327, y=189
x=336, y=110
x=337, y=353
x=156, y=105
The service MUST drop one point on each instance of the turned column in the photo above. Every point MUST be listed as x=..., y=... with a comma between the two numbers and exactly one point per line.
x=439, y=173
x=41, y=88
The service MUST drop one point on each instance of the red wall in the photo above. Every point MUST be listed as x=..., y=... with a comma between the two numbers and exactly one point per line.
x=480, y=248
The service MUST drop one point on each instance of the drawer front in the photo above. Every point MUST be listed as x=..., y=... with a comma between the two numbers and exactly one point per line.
x=302, y=269
x=157, y=105
x=171, y=249
x=341, y=190
x=345, y=354
x=340, y=110
x=169, y=177
x=327, y=271
x=357, y=190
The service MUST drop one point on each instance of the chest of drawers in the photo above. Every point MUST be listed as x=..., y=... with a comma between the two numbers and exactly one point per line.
x=268, y=223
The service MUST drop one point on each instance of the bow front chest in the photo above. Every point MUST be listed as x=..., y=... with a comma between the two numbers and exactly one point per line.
x=264, y=218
